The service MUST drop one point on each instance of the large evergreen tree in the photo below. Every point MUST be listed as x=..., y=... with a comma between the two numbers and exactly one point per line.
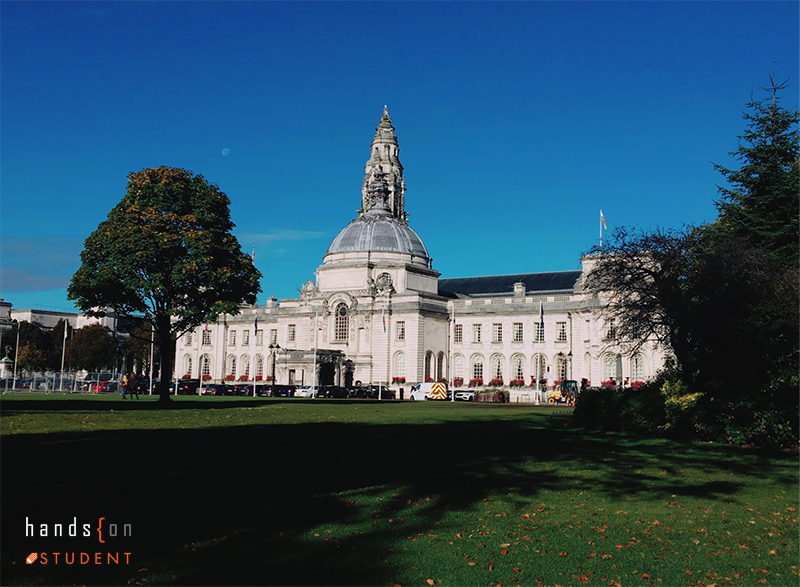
x=761, y=203
x=166, y=253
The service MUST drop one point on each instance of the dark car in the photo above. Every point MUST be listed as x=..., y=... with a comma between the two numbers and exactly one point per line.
x=371, y=392
x=246, y=389
x=208, y=389
x=218, y=389
x=333, y=391
x=188, y=386
x=109, y=386
x=282, y=390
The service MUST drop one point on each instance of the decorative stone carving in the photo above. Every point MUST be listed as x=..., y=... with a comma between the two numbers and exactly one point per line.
x=384, y=284
x=309, y=289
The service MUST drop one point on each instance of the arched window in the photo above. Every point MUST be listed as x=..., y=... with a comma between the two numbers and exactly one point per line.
x=587, y=367
x=232, y=365
x=440, y=366
x=259, y=367
x=246, y=366
x=497, y=367
x=538, y=363
x=342, y=325
x=518, y=367
x=400, y=365
x=187, y=365
x=205, y=366
x=428, y=365
x=477, y=367
x=561, y=366
x=612, y=368
x=637, y=368
x=458, y=366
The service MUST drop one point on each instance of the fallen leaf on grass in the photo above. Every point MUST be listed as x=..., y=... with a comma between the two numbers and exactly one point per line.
x=562, y=554
x=430, y=581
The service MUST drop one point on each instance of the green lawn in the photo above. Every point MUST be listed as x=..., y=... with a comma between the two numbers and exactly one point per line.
x=244, y=491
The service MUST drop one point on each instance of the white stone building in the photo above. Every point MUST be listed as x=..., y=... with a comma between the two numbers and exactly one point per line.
x=378, y=312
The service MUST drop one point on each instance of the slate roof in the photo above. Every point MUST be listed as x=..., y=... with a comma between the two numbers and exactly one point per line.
x=499, y=285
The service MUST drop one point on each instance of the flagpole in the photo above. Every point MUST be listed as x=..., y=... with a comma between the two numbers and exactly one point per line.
x=601, y=230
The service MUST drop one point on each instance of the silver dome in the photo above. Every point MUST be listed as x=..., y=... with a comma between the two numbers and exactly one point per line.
x=378, y=233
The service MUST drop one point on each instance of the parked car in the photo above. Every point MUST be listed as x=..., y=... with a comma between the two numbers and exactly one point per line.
x=219, y=389
x=246, y=389
x=371, y=392
x=465, y=395
x=307, y=391
x=208, y=389
x=282, y=390
x=109, y=387
x=188, y=386
x=333, y=391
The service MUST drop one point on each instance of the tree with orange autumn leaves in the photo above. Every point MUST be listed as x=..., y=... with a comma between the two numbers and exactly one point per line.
x=166, y=253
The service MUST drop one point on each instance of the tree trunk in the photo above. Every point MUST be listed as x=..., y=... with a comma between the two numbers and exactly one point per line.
x=167, y=358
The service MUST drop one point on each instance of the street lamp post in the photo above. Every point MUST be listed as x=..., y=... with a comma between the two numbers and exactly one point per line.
x=274, y=348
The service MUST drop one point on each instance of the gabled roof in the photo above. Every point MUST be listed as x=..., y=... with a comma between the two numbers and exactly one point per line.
x=497, y=285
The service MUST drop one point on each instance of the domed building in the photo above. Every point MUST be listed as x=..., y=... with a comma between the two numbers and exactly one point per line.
x=378, y=312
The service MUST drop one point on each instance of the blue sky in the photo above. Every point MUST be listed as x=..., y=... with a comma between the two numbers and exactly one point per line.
x=517, y=122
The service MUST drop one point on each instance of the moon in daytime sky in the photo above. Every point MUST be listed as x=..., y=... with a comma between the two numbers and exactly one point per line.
x=225, y=152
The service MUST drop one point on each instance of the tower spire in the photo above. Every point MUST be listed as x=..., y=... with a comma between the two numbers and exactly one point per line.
x=384, y=167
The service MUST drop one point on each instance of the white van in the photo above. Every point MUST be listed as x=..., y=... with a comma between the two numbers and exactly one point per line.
x=431, y=390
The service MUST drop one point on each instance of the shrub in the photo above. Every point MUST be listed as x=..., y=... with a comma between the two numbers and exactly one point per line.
x=458, y=382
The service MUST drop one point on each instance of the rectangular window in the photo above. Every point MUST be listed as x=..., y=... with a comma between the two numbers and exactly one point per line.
x=292, y=332
x=273, y=336
x=206, y=336
x=476, y=333
x=233, y=338
x=517, y=331
x=401, y=330
x=611, y=332
x=587, y=336
x=188, y=339
x=458, y=333
x=539, y=336
x=259, y=337
x=497, y=333
x=245, y=337
x=561, y=331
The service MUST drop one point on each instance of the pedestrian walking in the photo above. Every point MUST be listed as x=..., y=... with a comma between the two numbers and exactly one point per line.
x=124, y=384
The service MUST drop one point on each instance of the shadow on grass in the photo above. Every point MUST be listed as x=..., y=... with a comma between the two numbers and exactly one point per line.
x=235, y=505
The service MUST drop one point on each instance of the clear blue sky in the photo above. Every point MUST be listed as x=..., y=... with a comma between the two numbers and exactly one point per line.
x=517, y=121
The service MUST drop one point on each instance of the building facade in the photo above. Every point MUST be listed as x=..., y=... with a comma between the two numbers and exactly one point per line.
x=378, y=312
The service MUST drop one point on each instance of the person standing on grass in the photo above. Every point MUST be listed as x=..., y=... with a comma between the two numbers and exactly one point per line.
x=124, y=384
x=133, y=385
